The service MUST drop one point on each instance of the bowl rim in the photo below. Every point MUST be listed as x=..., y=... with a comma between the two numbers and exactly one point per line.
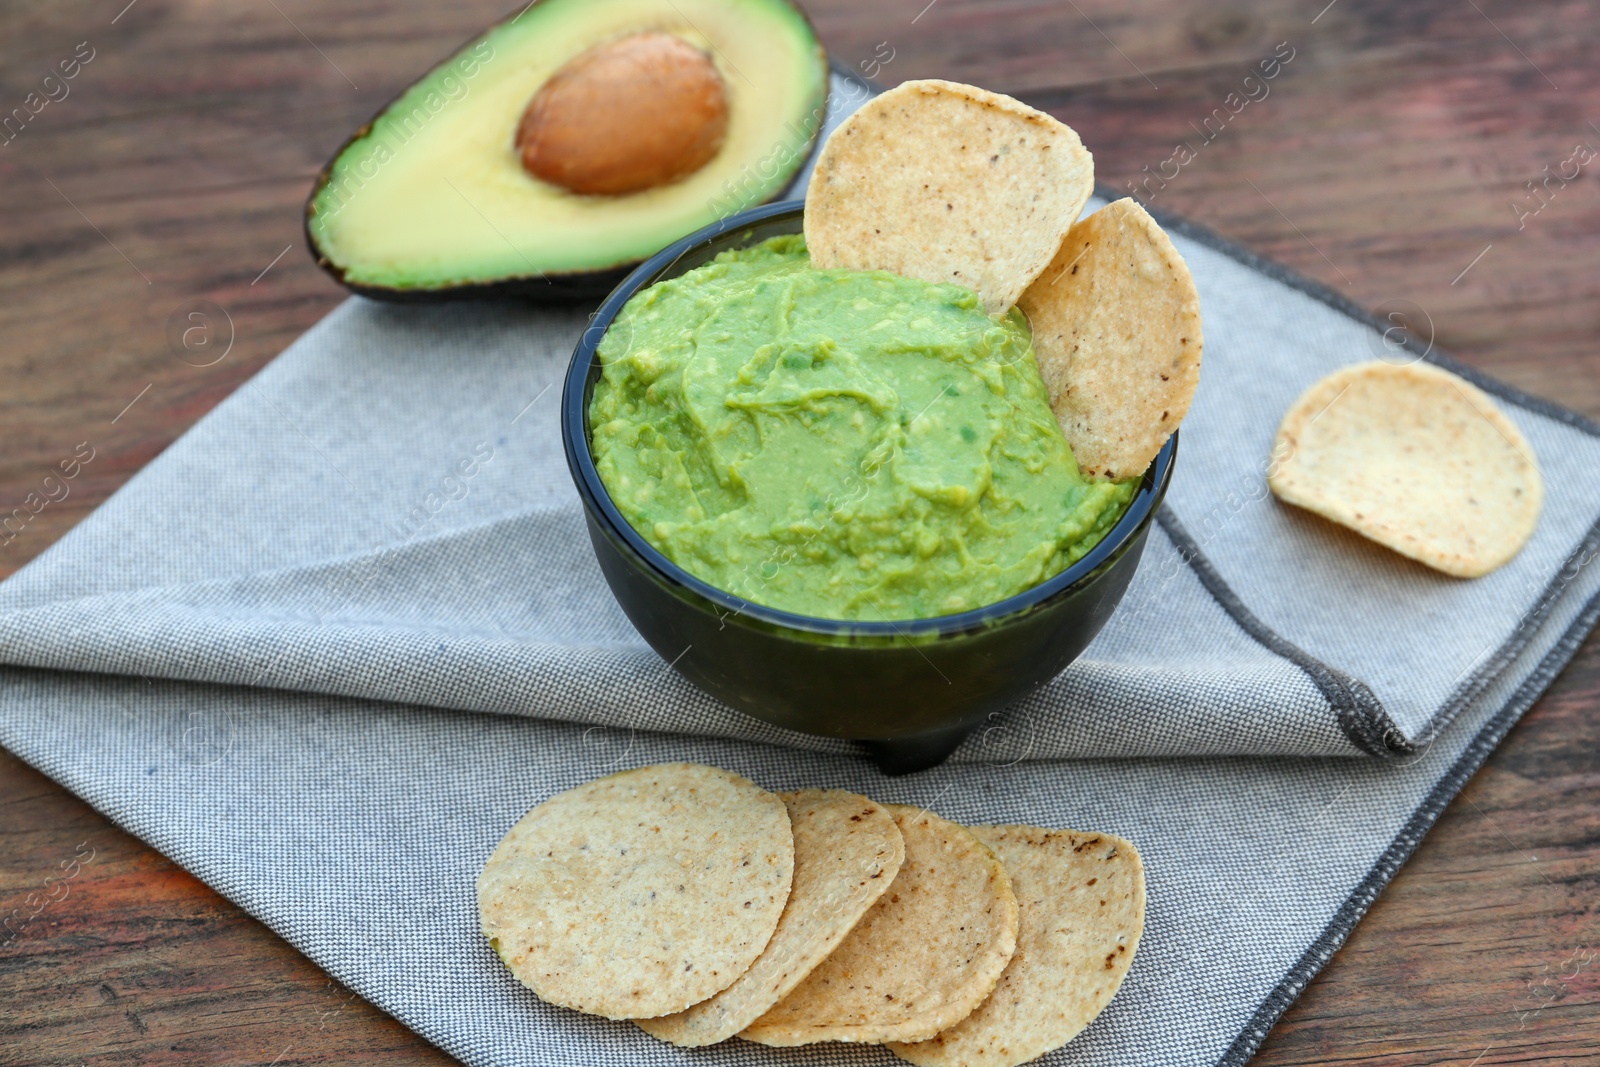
x=596, y=498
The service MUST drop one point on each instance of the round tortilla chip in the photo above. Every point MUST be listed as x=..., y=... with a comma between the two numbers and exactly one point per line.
x=921, y=959
x=1415, y=458
x=641, y=893
x=1116, y=331
x=1082, y=902
x=947, y=183
x=847, y=851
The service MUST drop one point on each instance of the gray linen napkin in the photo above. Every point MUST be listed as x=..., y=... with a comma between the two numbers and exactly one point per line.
x=270, y=653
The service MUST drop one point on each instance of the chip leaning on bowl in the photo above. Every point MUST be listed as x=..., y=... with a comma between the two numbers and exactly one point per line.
x=860, y=423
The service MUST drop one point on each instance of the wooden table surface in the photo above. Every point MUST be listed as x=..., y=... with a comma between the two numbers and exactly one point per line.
x=1391, y=159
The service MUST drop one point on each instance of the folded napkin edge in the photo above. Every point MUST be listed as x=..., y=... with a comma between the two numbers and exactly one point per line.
x=1361, y=714
x=1406, y=842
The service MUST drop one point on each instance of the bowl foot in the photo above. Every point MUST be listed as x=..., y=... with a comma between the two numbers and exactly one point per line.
x=908, y=755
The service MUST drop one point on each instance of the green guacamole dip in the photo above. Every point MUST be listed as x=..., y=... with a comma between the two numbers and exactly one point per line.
x=843, y=444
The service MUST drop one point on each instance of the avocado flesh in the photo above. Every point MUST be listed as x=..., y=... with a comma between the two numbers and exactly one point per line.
x=431, y=199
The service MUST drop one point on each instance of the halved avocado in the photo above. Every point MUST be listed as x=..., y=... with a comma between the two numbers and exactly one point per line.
x=436, y=197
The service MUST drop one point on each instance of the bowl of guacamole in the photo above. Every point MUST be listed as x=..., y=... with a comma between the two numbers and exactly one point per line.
x=838, y=500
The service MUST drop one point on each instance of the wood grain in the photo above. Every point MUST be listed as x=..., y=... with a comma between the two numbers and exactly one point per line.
x=1385, y=160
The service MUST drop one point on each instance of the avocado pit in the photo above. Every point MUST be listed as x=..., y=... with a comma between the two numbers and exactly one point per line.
x=630, y=114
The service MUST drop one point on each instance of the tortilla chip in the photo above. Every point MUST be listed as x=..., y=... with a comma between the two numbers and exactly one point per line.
x=641, y=893
x=1082, y=904
x=1116, y=331
x=847, y=851
x=1415, y=458
x=921, y=959
x=947, y=183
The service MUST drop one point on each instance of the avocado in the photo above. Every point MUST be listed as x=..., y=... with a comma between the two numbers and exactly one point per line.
x=567, y=143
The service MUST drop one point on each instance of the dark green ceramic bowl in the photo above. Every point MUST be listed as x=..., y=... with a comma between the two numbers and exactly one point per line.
x=910, y=690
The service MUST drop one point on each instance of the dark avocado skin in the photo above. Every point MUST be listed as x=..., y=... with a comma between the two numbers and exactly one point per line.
x=567, y=288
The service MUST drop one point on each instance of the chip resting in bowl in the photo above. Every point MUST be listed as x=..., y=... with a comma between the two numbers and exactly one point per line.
x=951, y=183
x=1116, y=331
x=1415, y=458
x=641, y=893
x=947, y=183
